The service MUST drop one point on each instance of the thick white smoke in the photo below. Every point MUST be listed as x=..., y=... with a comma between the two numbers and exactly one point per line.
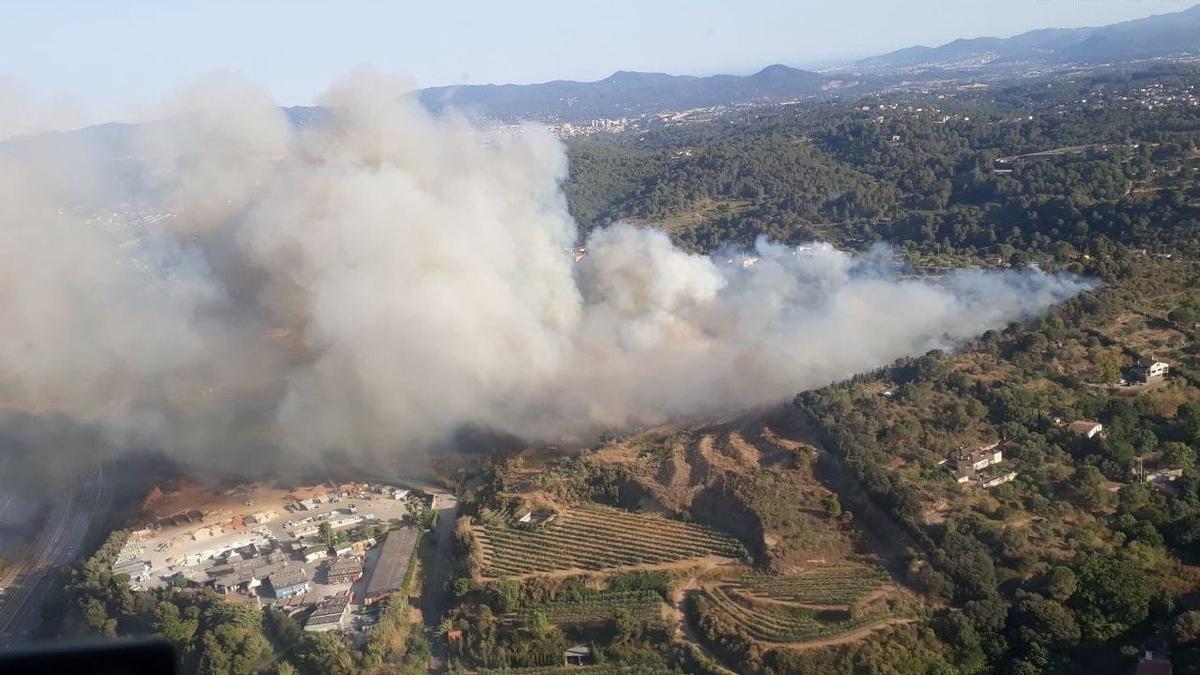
x=377, y=280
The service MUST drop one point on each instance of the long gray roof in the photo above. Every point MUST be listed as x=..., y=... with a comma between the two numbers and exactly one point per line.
x=394, y=555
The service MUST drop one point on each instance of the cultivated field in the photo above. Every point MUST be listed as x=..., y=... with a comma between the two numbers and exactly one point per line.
x=582, y=669
x=820, y=604
x=825, y=585
x=596, y=608
x=595, y=539
x=792, y=624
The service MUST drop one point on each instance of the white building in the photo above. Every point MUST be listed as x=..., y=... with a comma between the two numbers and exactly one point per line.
x=1085, y=428
x=974, y=460
x=1149, y=370
x=974, y=465
x=316, y=552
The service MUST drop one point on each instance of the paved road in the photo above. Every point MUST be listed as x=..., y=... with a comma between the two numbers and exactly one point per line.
x=57, y=544
x=433, y=604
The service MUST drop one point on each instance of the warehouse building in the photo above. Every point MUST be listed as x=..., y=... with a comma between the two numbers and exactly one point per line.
x=392, y=565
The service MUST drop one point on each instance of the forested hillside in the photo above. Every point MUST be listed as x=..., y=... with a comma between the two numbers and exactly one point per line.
x=957, y=172
x=1080, y=554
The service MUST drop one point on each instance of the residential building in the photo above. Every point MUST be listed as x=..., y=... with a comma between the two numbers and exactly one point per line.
x=979, y=466
x=329, y=614
x=1085, y=428
x=289, y=582
x=344, y=571
x=241, y=576
x=235, y=578
x=980, y=458
x=1149, y=370
x=315, y=552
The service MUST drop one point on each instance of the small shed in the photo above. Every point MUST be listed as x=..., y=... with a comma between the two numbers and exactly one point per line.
x=579, y=655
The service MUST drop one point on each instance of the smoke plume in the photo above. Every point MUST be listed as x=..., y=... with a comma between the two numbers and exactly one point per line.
x=237, y=288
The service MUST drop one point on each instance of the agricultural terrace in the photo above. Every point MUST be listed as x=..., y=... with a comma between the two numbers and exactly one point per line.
x=580, y=669
x=776, y=622
x=825, y=585
x=596, y=538
x=597, y=608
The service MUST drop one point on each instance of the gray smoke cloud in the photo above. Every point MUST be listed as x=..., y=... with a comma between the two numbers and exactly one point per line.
x=238, y=288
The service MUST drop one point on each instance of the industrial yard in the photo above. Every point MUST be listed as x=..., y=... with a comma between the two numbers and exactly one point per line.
x=313, y=552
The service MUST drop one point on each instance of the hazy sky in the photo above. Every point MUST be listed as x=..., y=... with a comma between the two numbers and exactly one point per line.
x=107, y=55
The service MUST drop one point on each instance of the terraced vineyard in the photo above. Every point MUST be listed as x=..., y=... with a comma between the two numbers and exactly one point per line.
x=596, y=608
x=826, y=585
x=597, y=538
x=785, y=624
x=574, y=669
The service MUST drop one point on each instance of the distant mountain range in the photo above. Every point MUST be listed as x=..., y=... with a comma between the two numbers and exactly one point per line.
x=1155, y=36
x=626, y=94
x=630, y=94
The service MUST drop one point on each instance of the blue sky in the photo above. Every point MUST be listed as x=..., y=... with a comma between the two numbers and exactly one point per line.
x=111, y=55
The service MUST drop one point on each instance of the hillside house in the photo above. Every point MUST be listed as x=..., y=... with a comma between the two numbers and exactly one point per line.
x=1149, y=370
x=981, y=458
x=1085, y=428
x=980, y=466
